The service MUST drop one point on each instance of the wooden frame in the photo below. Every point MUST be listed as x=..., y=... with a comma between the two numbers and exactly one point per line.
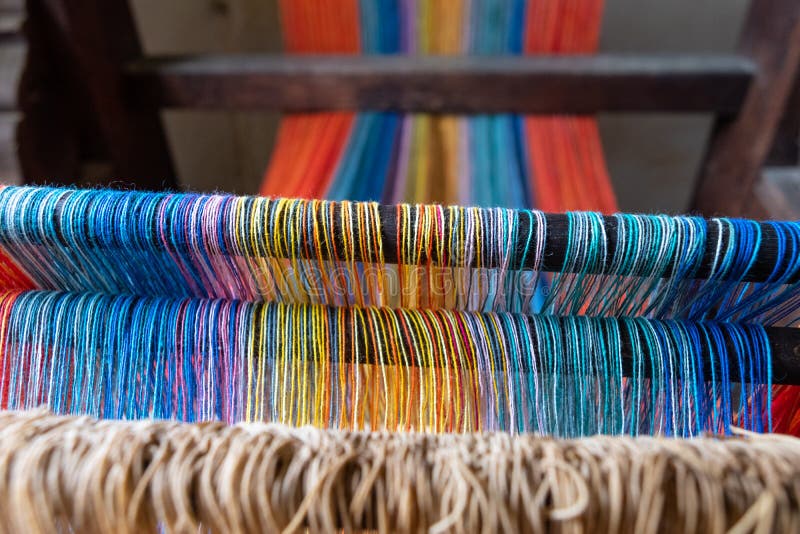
x=83, y=45
x=111, y=108
x=740, y=145
x=440, y=84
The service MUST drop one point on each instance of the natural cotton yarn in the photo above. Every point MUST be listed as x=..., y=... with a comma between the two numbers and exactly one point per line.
x=78, y=473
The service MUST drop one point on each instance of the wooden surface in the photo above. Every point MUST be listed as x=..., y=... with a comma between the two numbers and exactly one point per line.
x=102, y=37
x=785, y=346
x=574, y=84
x=739, y=147
x=54, y=108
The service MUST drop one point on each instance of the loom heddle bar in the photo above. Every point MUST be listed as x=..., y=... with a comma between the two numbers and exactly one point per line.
x=555, y=247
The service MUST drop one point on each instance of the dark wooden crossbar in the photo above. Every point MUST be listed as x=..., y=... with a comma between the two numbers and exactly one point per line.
x=440, y=84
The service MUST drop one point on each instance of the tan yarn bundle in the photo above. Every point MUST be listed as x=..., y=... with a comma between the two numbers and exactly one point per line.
x=59, y=473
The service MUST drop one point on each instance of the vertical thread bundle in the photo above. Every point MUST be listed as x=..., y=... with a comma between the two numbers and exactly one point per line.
x=430, y=364
x=553, y=163
x=197, y=360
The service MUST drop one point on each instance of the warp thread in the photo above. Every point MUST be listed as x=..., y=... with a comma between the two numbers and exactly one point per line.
x=247, y=248
x=377, y=368
x=553, y=163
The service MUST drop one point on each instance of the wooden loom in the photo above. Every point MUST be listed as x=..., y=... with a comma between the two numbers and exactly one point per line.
x=88, y=91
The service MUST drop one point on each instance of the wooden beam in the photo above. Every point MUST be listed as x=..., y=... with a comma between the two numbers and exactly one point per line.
x=102, y=37
x=739, y=146
x=532, y=84
x=50, y=101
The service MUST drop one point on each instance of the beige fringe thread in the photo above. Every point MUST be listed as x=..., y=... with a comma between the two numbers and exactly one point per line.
x=81, y=474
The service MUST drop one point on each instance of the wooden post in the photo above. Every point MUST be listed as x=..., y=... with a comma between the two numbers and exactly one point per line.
x=102, y=37
x=739, y=146
x=48, y=135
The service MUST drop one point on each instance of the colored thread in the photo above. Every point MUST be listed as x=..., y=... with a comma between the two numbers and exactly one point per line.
x=126, y=357
x=247, y=250
x=553, y=163
x=299, y=251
